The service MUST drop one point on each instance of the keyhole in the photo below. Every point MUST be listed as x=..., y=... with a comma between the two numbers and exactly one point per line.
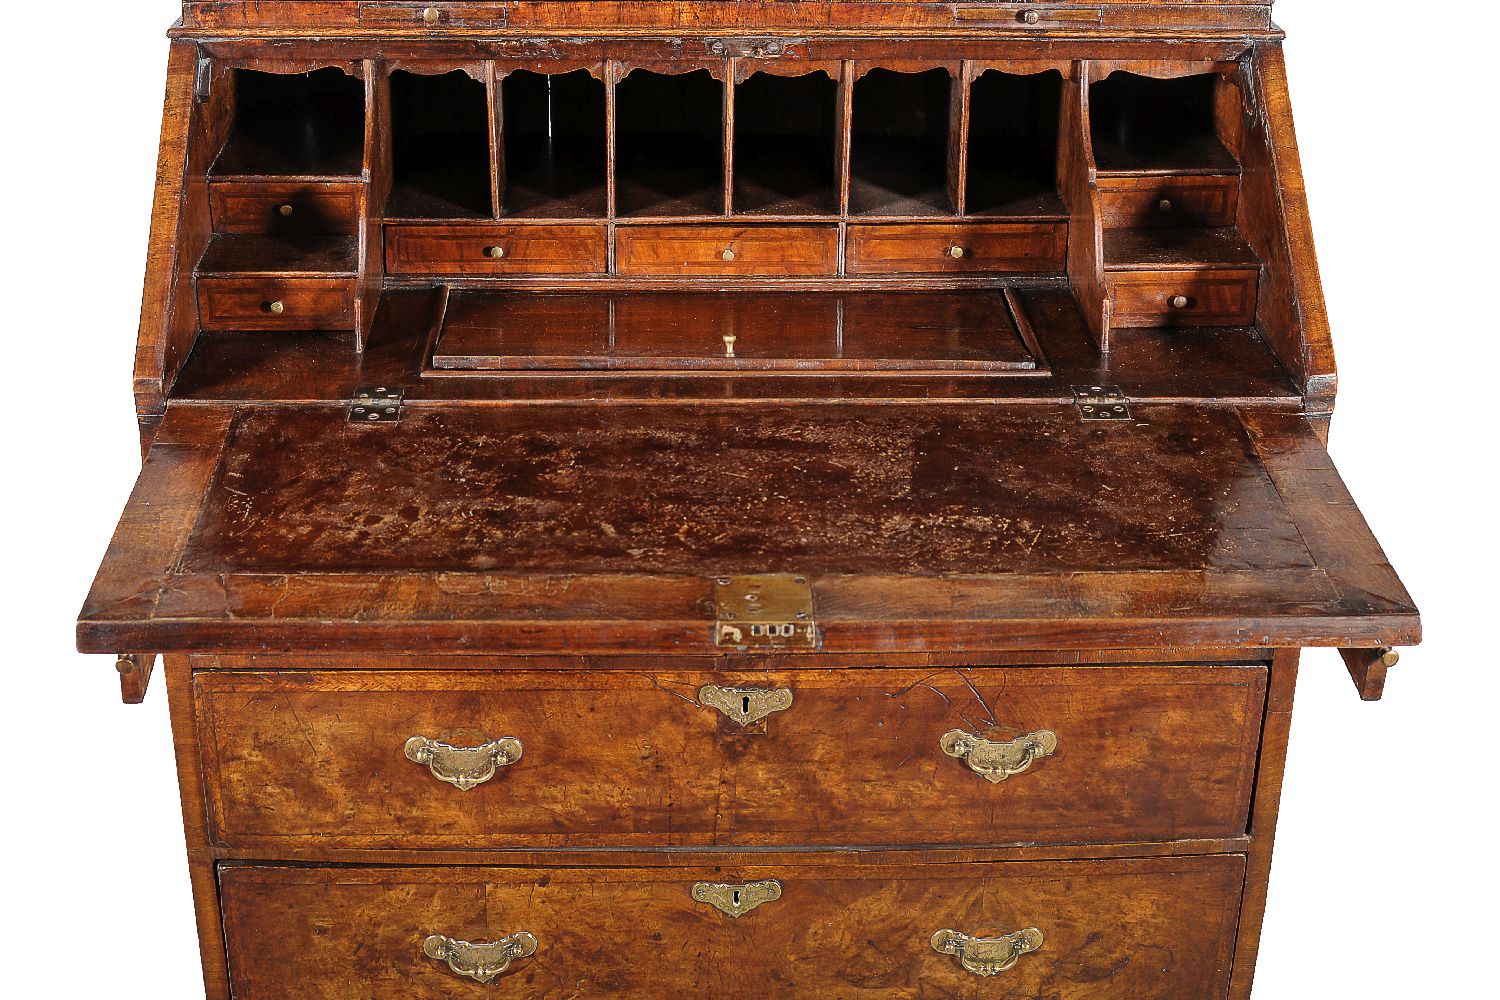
x=736, y=897
x=745, y=705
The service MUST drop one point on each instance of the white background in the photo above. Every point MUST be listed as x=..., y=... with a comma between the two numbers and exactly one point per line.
x=1384, y=883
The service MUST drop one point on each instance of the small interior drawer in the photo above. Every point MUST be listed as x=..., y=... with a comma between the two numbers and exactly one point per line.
x=1021, y=247
x=275, y=303
x=283, y=207
x=1183, y=298
x=1147, y=929
x=890, y=757
x=1136, y=200
x=727, y=250
x=496, y=249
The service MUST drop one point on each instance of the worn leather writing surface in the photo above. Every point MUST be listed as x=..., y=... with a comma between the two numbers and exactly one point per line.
x=930, y=518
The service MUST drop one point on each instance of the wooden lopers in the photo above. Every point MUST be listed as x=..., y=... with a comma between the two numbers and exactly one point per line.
x=835, y=492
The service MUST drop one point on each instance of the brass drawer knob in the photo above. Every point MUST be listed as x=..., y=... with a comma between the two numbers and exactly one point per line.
x=463, y=767
x=480, y=961
x=745, y=705
x=495, y=253
x=285, y=211
x=1165, y=205
x=994, y=762
x=728, y=254
x=1031, y=17
x=431, y=15
x=1178, y=302
x=276, y=308
x=956, y=252
x=987, y=956
x=736, y=900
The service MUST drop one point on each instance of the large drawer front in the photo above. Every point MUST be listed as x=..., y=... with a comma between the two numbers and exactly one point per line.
x=877, y=757
x=1158, y=929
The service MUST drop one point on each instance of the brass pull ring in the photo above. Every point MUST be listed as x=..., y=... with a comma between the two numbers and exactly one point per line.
x=987, y=956
x=994, y=762
x=745, y=705
x=463, y=767
x=480, y=961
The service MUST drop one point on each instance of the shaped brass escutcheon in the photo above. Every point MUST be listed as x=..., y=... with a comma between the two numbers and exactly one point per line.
x=745, y=705
x=463, y=767
x=480, y=961
x=994, y=762
x=987, y=956
x=736, y=900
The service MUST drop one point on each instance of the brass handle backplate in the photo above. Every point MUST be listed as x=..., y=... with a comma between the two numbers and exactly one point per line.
x=480, y=961
x=745, y=705
x=736, y=900
x=987, y=956
x=463, y=767
x=994, y=762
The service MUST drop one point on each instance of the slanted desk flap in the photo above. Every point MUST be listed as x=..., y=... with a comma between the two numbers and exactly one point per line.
x=593, y=528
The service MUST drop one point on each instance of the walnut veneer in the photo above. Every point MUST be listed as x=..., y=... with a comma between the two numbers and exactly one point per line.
x=743, y=598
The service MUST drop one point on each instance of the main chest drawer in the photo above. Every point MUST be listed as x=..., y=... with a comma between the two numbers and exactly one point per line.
x=498, y=758
x=1158, y=929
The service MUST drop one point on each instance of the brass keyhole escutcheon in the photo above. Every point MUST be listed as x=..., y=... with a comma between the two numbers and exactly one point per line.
x=736, y=900
x=745, y=705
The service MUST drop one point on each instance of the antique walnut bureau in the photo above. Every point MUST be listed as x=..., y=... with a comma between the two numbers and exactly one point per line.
x=733, y=499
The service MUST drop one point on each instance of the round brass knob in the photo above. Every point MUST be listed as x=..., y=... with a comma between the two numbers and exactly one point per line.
x=728, y=253
x=1179, y=302
x=956, y=252
x=1031, y=17
x=1165, y=205
x=124, y=664
x=431, y=15
x=494, y=252
x=284, y=211
x=276, y=308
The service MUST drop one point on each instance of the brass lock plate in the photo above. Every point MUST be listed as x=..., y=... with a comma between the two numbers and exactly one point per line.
x=764, y=610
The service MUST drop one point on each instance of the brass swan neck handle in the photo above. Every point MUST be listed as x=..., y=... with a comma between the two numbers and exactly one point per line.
x=480, y=961
x=994, y=762
x=463, y=767
x=987, y=956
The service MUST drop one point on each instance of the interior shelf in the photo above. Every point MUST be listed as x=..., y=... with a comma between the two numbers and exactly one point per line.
x=265, y=254
x=556, y=147
x=302, y=125
x=1012, y=148
x=1139, y=124
x=899, y=144
x=732, y=331
x=669, y=144
x=440, y=147
x=1149, y=249
x=784, y=148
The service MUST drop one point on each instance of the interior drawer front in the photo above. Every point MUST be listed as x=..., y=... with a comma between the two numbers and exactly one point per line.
x=1183, y=298
x=1152, y=929
x=457, y=250
x=1198, y=200
x=1022, y=247
x=291, y=208
x=878, y=757
x=275, y=303
x=727, y=250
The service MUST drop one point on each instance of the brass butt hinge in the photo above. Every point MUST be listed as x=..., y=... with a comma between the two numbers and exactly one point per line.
x=376, y=404
x=764, y=610
x=1100, y=402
